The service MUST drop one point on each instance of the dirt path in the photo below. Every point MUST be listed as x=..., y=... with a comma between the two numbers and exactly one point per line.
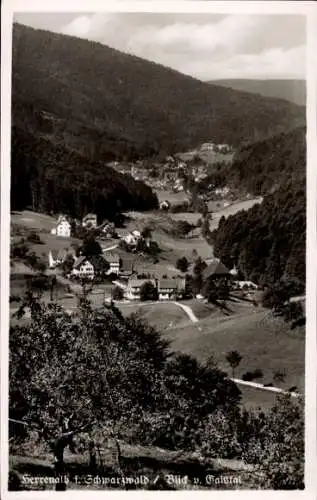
x=113, y=247
x=262, y=387
x=187, y=310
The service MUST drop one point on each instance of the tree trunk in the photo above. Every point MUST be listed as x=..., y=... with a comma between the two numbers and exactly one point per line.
x=59, y=465
x=92, y=457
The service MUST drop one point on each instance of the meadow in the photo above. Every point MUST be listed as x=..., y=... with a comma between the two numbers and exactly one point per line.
x=163, y=316
x=265, y=342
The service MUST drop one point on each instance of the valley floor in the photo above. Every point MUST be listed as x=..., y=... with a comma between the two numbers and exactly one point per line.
x=202, y=330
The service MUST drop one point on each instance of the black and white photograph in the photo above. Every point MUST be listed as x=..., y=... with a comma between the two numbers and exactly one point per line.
x=157, y=242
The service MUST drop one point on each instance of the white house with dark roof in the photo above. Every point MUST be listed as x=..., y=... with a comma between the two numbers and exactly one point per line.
x=167, y=289
x=90, y=267
x=62, y=228
x=170, y=289
x=83, y=268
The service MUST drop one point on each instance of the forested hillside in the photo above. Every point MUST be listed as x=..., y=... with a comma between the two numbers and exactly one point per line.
x=267, y=164
x=47, y=177
x=106, y=104
x=267, y=242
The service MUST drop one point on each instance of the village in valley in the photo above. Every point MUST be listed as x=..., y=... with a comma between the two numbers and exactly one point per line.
x=127, y=263
x=157, y=294
x=158, y=263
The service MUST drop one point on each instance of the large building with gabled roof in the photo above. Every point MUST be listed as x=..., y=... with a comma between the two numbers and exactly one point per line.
x=216, y=270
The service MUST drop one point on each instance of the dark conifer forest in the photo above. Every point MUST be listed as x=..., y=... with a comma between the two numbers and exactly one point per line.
x=268, y=241
x=48, y=178
x=265, y=165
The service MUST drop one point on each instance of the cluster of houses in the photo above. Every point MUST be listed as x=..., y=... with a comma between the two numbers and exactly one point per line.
x=63, y=227
x=173, y=289
x=167, y=289
x=216, y=148
x=91, y=267
x=88, y=266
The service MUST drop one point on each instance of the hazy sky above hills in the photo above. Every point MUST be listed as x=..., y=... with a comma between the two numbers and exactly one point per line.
x=206, y=46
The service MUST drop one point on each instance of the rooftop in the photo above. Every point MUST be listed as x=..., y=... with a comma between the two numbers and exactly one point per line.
x=137, y=283
x=166, y=284
x=112, y=258
x=216, y=268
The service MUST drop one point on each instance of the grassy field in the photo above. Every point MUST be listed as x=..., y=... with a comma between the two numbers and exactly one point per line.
x=42, y=225
x=136, y=461
x=162, y=224
x=265, y=342
x=162, y=316
x=230, y=210
x=178, y=247
x=191, y=217
x=33, y=220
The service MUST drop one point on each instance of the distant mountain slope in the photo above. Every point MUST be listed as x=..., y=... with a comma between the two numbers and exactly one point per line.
x=106, y=104
x=291, y=90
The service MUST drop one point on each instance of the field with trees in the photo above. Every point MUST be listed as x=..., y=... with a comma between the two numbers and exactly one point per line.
x=143, y=396
x=258, y=336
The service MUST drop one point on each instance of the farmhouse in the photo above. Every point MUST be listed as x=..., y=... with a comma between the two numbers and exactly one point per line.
x=216, y=270
x=90, y=267
x=113, y=260
x=207, y=146
x=63, y=227
x=167, y=289
x=133, y=289
x=90, y=220
x=83, y=268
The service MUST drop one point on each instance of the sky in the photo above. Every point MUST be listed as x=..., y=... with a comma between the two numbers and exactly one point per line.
x=205, y=46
